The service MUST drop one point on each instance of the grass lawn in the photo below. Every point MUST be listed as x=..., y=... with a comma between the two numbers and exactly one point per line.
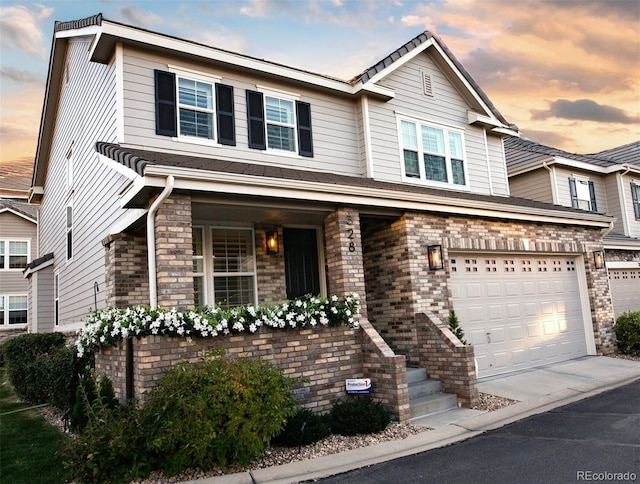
x=28, y=443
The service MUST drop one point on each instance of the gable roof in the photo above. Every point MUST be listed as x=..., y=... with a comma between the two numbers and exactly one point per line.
x=15, y=178
x=148, y=164
x=21, y=209
x=524, y=155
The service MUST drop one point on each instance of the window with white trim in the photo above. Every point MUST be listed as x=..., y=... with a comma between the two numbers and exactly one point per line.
x=224, y=264
x=432, y=154
x=281, y=123
x=69, y=231
x=233, y=266
x=56, y=299
x=14, y=254
x=583, y=194
x=198, y=265
x=13, y=309
x=195, y=108
x=635, y=198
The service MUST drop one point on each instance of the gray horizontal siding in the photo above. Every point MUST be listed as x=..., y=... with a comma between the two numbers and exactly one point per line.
x=335, y=134
x=446, y=107
x=634, y=225
x=534, y=185
x=86, y=114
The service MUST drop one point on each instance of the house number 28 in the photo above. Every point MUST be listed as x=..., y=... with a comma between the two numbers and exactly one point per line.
x=349, y=233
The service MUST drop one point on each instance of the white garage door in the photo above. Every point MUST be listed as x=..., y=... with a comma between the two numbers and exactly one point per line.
x=625, y=290
x=518, y=312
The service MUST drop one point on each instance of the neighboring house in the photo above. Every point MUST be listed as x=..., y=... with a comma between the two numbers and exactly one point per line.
x=605, y=182
x=18, y=246
x=176, y=174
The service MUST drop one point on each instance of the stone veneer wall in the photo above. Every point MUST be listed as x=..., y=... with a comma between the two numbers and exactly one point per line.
x=401, y=284
x=270, y=272
x=616, y=255
x=127, y=273
x=447, y=359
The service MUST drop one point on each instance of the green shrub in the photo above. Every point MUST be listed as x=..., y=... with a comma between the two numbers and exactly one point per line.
x=359, y=416
x=216, y=411
x=111, y=447
x=316, y=427
x=454, y=326
x=628, y=333
x=32, y=360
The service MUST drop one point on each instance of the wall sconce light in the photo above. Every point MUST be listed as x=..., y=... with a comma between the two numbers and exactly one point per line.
x=598, y=259
x=434, y=254
x=272, y=242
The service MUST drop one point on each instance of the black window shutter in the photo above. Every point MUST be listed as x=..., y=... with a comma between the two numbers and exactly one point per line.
x=592, y=195
x=305, y=140
x=636, y=202
x=226, y=115
x=165, y=103
x=255, y=116
x=574, y=193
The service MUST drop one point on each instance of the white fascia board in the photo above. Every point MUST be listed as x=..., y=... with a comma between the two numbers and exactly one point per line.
x=508, y=131
x=119, y=167
x=85, y=31
x=239, y=60
x=129, y=218
x=22, y=215
x=401, y=61
x=30, y=271
x=623, y=265
x=190, y=179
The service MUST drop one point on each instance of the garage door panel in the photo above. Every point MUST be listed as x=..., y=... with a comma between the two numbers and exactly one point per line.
x=625, y=288
x=521, y=311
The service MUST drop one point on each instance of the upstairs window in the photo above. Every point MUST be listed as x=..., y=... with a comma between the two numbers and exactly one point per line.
x=583, y=194
x=194, y=108
x=432, y=154
x=13, y=310
x=635, y=197
x=14, y=254
x=69, y=229
x=278, y=123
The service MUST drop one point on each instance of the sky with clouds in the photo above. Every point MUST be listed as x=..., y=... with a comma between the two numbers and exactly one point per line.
x=567, y=72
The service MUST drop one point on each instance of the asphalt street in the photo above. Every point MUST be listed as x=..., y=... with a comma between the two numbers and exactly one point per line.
x=593, y=440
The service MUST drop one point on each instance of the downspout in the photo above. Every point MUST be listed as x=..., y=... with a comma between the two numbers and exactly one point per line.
x=623, y=200
x=554, y=187
x=153, y=283
x=151, y=240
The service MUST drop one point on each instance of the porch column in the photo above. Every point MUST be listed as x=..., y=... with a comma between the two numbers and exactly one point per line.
x=174, y=253
x=126, y=273
x=345, y=268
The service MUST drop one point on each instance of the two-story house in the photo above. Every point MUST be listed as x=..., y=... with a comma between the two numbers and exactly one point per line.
x=605, y=182
x=178, y=174
x=18, y=246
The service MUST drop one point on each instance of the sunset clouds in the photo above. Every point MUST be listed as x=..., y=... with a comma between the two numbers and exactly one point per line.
x=566, y=72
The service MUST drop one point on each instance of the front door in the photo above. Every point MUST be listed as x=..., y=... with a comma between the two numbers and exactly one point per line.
x=301, y=262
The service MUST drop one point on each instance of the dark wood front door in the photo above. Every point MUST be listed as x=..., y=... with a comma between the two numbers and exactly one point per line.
x=301, y=262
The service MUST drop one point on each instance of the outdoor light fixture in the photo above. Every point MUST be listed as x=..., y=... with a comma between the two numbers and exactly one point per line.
x=598, y=259
x=272, y=242
x=434, y=254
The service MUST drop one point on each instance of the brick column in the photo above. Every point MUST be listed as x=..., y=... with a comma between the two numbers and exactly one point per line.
x=174, y=251
x=343, y=248
x=126, y=270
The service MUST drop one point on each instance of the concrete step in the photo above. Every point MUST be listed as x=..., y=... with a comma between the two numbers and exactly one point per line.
x=432, y=404
x=416, y=374
x=423, y=388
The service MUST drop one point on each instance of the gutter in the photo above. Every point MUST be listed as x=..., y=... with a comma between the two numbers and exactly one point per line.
x=151, y=240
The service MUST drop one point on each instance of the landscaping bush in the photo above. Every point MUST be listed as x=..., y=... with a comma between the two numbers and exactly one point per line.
x=628, y=333
x=359, y=416
x=316, y=427
x=216, y=411
x=111, y=447
x=29, y=357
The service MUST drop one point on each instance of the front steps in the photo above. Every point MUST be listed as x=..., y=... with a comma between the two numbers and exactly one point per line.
x=429, y=407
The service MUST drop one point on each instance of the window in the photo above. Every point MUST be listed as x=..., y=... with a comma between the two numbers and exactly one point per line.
x=583, y=194
x=56, y=300
x=13, y=309
x=432, y=154
x=635, y=197
x=198, y=266
x=194, y=108
x=233, y=266
x=277, y=123
x=70, y=229
x=14, y=254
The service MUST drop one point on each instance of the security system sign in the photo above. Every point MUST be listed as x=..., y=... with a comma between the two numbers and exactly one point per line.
x=358, y=385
